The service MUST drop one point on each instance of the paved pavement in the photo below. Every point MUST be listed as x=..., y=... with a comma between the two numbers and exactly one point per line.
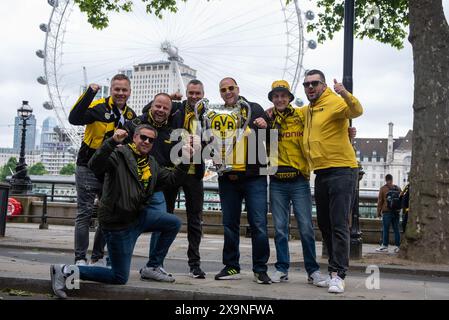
x=399, y=279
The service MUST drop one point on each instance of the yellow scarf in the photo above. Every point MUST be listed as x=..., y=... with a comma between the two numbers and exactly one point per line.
x=153, y=123
x=143, y=165
x=280, y=116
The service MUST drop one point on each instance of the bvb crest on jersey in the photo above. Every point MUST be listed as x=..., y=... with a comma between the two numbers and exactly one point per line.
x=224, y=125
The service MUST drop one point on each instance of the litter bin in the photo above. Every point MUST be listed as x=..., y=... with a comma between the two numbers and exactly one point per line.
x=4, y=193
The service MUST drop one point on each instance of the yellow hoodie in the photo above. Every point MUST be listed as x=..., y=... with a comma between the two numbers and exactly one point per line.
x=326, y=142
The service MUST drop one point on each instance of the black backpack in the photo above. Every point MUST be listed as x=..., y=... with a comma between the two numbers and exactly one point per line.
x=394, y=199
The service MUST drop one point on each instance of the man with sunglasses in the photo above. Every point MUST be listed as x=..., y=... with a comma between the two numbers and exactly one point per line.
x=101, y=118
x=289, y=183
x=157, y=115
x=131, y=176
x=246, y=180
x=330, y=154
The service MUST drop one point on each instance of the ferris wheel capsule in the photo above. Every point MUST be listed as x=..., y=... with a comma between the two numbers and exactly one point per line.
x=312, y=44
x=42, y=80
x=40, y=54
x=44, y=27
x=53, y=3
x=310, y=15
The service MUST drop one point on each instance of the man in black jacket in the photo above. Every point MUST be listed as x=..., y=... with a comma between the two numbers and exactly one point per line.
x=157, y=115
x=166, y=116
x=246, y=180
x=192, y=185
x=131, y=176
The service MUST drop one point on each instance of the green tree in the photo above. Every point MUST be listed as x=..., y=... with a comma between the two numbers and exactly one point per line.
x=428, y=32
x=97, y=10
x=68, y=169
x=427, y=234
x=37, y=169
x=8, y=169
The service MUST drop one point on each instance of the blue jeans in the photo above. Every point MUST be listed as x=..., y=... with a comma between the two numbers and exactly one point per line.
x=232, y=193
x=387, y=219
x=298, y=193
x=157, y=204
x=121, y=246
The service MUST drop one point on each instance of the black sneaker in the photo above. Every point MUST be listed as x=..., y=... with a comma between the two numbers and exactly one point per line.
x=228, y=273
x=262, y=277
x=196, y=272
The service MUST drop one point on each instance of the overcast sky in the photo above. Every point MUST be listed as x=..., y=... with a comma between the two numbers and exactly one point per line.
x=383, y=76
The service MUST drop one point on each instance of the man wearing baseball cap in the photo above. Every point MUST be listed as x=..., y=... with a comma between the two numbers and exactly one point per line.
x=290, y=183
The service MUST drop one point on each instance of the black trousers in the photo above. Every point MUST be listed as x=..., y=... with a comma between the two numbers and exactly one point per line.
x=194, y=196
x=333, y=197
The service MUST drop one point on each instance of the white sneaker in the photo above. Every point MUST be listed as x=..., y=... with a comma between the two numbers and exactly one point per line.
x=98, y=263
x=382, y=248
x=165, y=272
x=324, y=283
x=58, y=278
x=396, y=249
x=316, y=278
x=279, y=276
x=157, y=274
x=81, y=262
x=336, y=285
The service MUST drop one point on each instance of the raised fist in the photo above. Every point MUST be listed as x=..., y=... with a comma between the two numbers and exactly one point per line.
x=95, y=87
x=119, y=135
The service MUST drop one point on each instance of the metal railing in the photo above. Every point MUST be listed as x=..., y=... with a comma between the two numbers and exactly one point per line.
x=367, y=202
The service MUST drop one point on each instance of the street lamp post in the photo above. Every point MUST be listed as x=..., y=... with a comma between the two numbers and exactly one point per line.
x=348, y=53
x=20, y=182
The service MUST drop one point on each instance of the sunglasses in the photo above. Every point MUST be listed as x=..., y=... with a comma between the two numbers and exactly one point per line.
x=313, y=83
x=145, y=138
x=230, y=88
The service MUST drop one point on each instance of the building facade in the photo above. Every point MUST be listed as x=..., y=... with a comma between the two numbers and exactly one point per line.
x=149, y=79
x=30, y=136
x=31, y=157
x=380, y=156
x=56, y=150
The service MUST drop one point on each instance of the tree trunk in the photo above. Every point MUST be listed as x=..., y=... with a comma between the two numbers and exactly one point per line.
x=427, y=234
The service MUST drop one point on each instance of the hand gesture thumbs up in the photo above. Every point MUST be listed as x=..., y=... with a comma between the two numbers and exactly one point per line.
x=339, y=88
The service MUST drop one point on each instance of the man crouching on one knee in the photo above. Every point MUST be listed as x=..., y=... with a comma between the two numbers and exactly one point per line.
x=131, y=176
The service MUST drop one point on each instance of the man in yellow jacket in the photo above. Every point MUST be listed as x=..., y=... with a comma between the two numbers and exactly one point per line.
x=332, y=158
x=101, y=118
x=290, y=182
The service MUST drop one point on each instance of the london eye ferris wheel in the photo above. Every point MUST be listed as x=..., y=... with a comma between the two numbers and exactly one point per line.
x=255, y=42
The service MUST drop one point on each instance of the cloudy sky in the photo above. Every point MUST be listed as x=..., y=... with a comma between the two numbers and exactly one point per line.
x=383, y=76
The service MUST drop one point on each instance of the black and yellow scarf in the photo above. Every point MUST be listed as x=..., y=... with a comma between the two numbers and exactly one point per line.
x=189, y=114
x=280, y=116
x=155, y=124
x=143, y=165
